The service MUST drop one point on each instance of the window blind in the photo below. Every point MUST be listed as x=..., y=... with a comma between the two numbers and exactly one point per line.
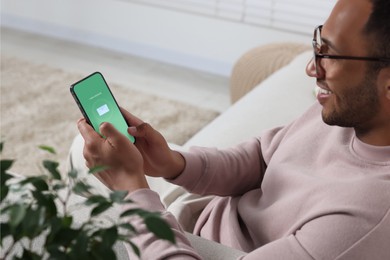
x=291, y=15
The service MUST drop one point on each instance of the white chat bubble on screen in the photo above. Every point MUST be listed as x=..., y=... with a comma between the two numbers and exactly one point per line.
x=103, y=110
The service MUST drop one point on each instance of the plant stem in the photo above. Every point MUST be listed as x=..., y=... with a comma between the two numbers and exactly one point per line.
x=69, y=192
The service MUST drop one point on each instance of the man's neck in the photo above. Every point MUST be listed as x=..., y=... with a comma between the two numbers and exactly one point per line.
x=377, y=137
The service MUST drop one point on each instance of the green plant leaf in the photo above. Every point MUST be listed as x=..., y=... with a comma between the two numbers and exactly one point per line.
x=56, y=253
x=55, y=225
x=129, y=227
x=109, y=236
x=59, y=186
x=3, y=192
x=35, y=213
x=4, y=177
x=73, y=173
x=159, y=228
x=97, y=169
x=136, y=211
x=96, y=199
x=135, y=248
x=47, y=149
x=66, y=221
x=5, y=232
x=1, y=146
x=64, y=237
x=5, y=165
x=107, y=253
x=81, y=188
x=127, y=201
x=100, y=252
x=30, y=255
x=52, y=166
x=79, y=249
x=34, y=222
x=16, y=214
x=17, y=232
x=118, y=196
x=38, y=182
x=46, y=201
x=100, y=208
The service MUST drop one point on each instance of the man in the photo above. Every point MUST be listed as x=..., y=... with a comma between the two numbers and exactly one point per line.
x=318, y=188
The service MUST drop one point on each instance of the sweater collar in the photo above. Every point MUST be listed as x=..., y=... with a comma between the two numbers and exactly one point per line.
x=371, y=152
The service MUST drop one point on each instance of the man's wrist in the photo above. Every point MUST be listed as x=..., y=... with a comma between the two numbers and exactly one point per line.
x=133, y=183
x=179, y=164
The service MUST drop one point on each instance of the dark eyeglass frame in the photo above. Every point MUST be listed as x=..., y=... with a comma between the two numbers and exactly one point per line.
x=318, y=56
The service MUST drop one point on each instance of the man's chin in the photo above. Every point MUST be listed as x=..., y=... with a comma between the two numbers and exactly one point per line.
x=330, y=119
x=334, y=120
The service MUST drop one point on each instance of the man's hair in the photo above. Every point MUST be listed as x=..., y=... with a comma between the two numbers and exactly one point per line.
x=378, y=31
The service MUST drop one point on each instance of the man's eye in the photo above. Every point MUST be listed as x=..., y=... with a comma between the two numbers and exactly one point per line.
x=324, y=49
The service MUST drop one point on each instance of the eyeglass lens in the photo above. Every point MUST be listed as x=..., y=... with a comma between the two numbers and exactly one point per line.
x=317, y=42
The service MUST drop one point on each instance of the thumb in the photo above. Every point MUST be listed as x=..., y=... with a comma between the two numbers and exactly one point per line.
x=110, y=132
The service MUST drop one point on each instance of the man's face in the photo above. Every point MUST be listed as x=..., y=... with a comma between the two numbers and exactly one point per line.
x=349, y=93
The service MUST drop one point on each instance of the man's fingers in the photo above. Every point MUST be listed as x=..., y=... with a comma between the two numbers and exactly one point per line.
x=111, y=133
x=143, y=130
x=137, y=127
x=130, y=118
x=86, y=131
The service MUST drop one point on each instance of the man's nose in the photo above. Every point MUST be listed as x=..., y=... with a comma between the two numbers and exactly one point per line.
x=311, y=69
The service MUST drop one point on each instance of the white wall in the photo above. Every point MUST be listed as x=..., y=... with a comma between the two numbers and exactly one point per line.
x=184, y=39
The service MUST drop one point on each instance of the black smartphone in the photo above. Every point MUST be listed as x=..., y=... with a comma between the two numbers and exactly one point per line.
x=97, y=104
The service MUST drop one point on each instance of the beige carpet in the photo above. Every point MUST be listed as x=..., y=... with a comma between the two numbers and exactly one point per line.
x=38, y=109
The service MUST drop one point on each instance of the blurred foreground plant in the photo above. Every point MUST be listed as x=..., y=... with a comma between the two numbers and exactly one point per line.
x=38, y=210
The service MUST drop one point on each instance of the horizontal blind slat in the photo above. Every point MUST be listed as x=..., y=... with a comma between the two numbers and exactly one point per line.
x=291, y=15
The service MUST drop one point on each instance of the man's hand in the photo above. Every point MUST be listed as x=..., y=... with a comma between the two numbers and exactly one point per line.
x=124, y=161
x=159, y=159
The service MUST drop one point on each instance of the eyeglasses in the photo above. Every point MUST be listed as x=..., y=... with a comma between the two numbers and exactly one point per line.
x=317, y=46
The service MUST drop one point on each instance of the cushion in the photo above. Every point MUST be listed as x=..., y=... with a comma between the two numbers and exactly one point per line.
x=275, y=102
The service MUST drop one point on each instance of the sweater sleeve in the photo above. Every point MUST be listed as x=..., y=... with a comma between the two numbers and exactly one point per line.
x=150, y=246
x=332, y=236
x=227, y=172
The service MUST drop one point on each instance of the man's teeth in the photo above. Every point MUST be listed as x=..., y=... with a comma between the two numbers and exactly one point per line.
x=324, y=91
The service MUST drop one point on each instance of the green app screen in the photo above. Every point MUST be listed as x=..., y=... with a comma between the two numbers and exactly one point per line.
x=98, y=103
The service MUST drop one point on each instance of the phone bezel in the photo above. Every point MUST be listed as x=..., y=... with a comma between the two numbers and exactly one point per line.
x=76, y=98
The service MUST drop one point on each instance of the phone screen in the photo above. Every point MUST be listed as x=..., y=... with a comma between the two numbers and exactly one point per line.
x=98, y=105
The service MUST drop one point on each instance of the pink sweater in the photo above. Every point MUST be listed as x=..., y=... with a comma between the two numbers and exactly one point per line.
x=305, y=191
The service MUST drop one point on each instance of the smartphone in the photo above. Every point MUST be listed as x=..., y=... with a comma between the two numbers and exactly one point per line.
x=97, y=104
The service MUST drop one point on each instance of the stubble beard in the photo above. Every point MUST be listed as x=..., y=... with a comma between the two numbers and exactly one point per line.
x=358, y=106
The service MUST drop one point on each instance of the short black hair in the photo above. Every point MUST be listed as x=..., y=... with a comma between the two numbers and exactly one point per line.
x=378, y=30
